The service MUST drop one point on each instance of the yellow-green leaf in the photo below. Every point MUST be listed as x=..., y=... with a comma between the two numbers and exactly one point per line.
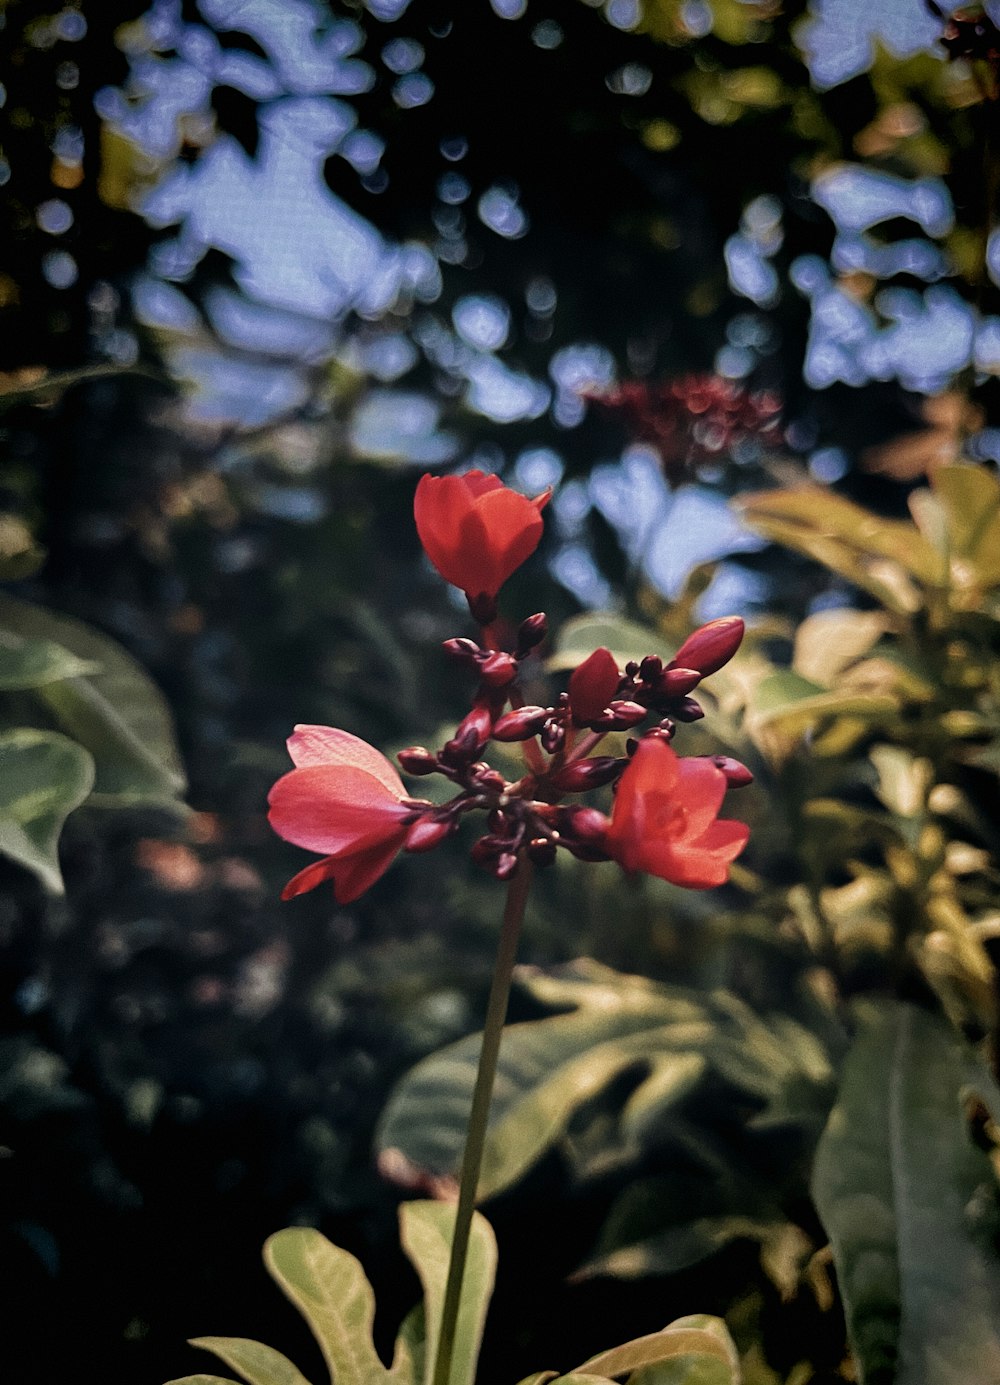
x=43, y=777
x=257, y=1363
x=330, y=1290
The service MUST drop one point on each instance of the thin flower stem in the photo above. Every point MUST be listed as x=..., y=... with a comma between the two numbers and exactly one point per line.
x=475, y=1137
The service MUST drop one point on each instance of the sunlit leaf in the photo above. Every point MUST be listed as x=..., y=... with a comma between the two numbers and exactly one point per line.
x=257, y=1363
x=828, y=641
x=656, y=1347
x=970, y=499
x=426, y=1233
x=330, y=1290
x=896, y=1181
x=43, y=777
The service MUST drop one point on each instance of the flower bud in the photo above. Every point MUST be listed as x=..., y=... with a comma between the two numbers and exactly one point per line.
x=677, y=682
x=470, y=736
x=489, y=778
x=520, y=724
x=416, y=760
x=650, y=668
x=627, y=714
x=586, y=825
x=592, y=685
x=686, y=709
x=737, y=774
x=587, y=774
x=462, y=649
x=484, y=852
x=498, y=669
x=542, y=851
x=553, y=736
x=427, y=833
x=711, y=646
x=506, y=865
x=531, y=633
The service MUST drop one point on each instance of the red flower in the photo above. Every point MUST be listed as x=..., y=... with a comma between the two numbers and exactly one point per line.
x=345, y=800
x=664, y=819
x=476, y=531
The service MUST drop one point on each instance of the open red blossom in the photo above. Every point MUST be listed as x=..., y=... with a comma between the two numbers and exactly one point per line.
x=476, y=531
x=345, y=800
x=665, y=819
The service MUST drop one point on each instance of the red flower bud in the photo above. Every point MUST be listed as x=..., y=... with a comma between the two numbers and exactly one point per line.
x=587, y=825
x=531, y=633
x=498, y=669
x=471, y=734
x=416, y=760
x=476, y=531
x=520, y=724
x=466, y=651
x=592, y=685
x=428, y=832
x=686, y=709
x=676, y=682
x=553, y=736
x=650, y=668
x=484, y=852
x=713, y=645
x=627, y=714
x=587, y=774
x=737, y=774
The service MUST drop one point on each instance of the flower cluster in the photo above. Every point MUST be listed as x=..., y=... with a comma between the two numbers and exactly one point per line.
x=693, y=419
x=345, y=801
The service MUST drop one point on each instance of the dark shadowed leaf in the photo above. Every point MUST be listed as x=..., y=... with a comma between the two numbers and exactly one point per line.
x=43, y=777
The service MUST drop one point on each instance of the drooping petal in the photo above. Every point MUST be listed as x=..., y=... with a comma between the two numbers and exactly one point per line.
x=333, y=808
x=309, y=878
x=354, y=874
x=514, y=526
x=325, y=745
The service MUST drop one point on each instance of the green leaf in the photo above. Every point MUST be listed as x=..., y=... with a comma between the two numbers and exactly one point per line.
x=896, y=1182
x=828, y=641
x=257, y=1363
x=202, y=1379
x=970, y=499
x=626, y=639
x=32, y=663
x=546, y=1069
x=330, y=1290
x=118, y=713
x=656, y=1347
x=794, y=705
x=880, y=556
x=43, y=777
x=551, y=1068
x=426, y=1233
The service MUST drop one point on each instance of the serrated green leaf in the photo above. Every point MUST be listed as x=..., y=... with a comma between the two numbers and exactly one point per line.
x=895, y=1179
x=329, y=1288
x=257, y=1363
x=43, y=777
x=32, y=663
x=426, y=1232
x=118, y=713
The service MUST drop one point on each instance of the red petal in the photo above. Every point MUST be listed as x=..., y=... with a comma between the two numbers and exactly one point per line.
x=356, y=873
x=514, y=527
x=309, y=878
x=325, y=745
x=333, y=808
x=477, y=483
x=593, y=684
x=701, y=787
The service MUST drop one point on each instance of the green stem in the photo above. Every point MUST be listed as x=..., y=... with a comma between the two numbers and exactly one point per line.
x=475, y=1136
